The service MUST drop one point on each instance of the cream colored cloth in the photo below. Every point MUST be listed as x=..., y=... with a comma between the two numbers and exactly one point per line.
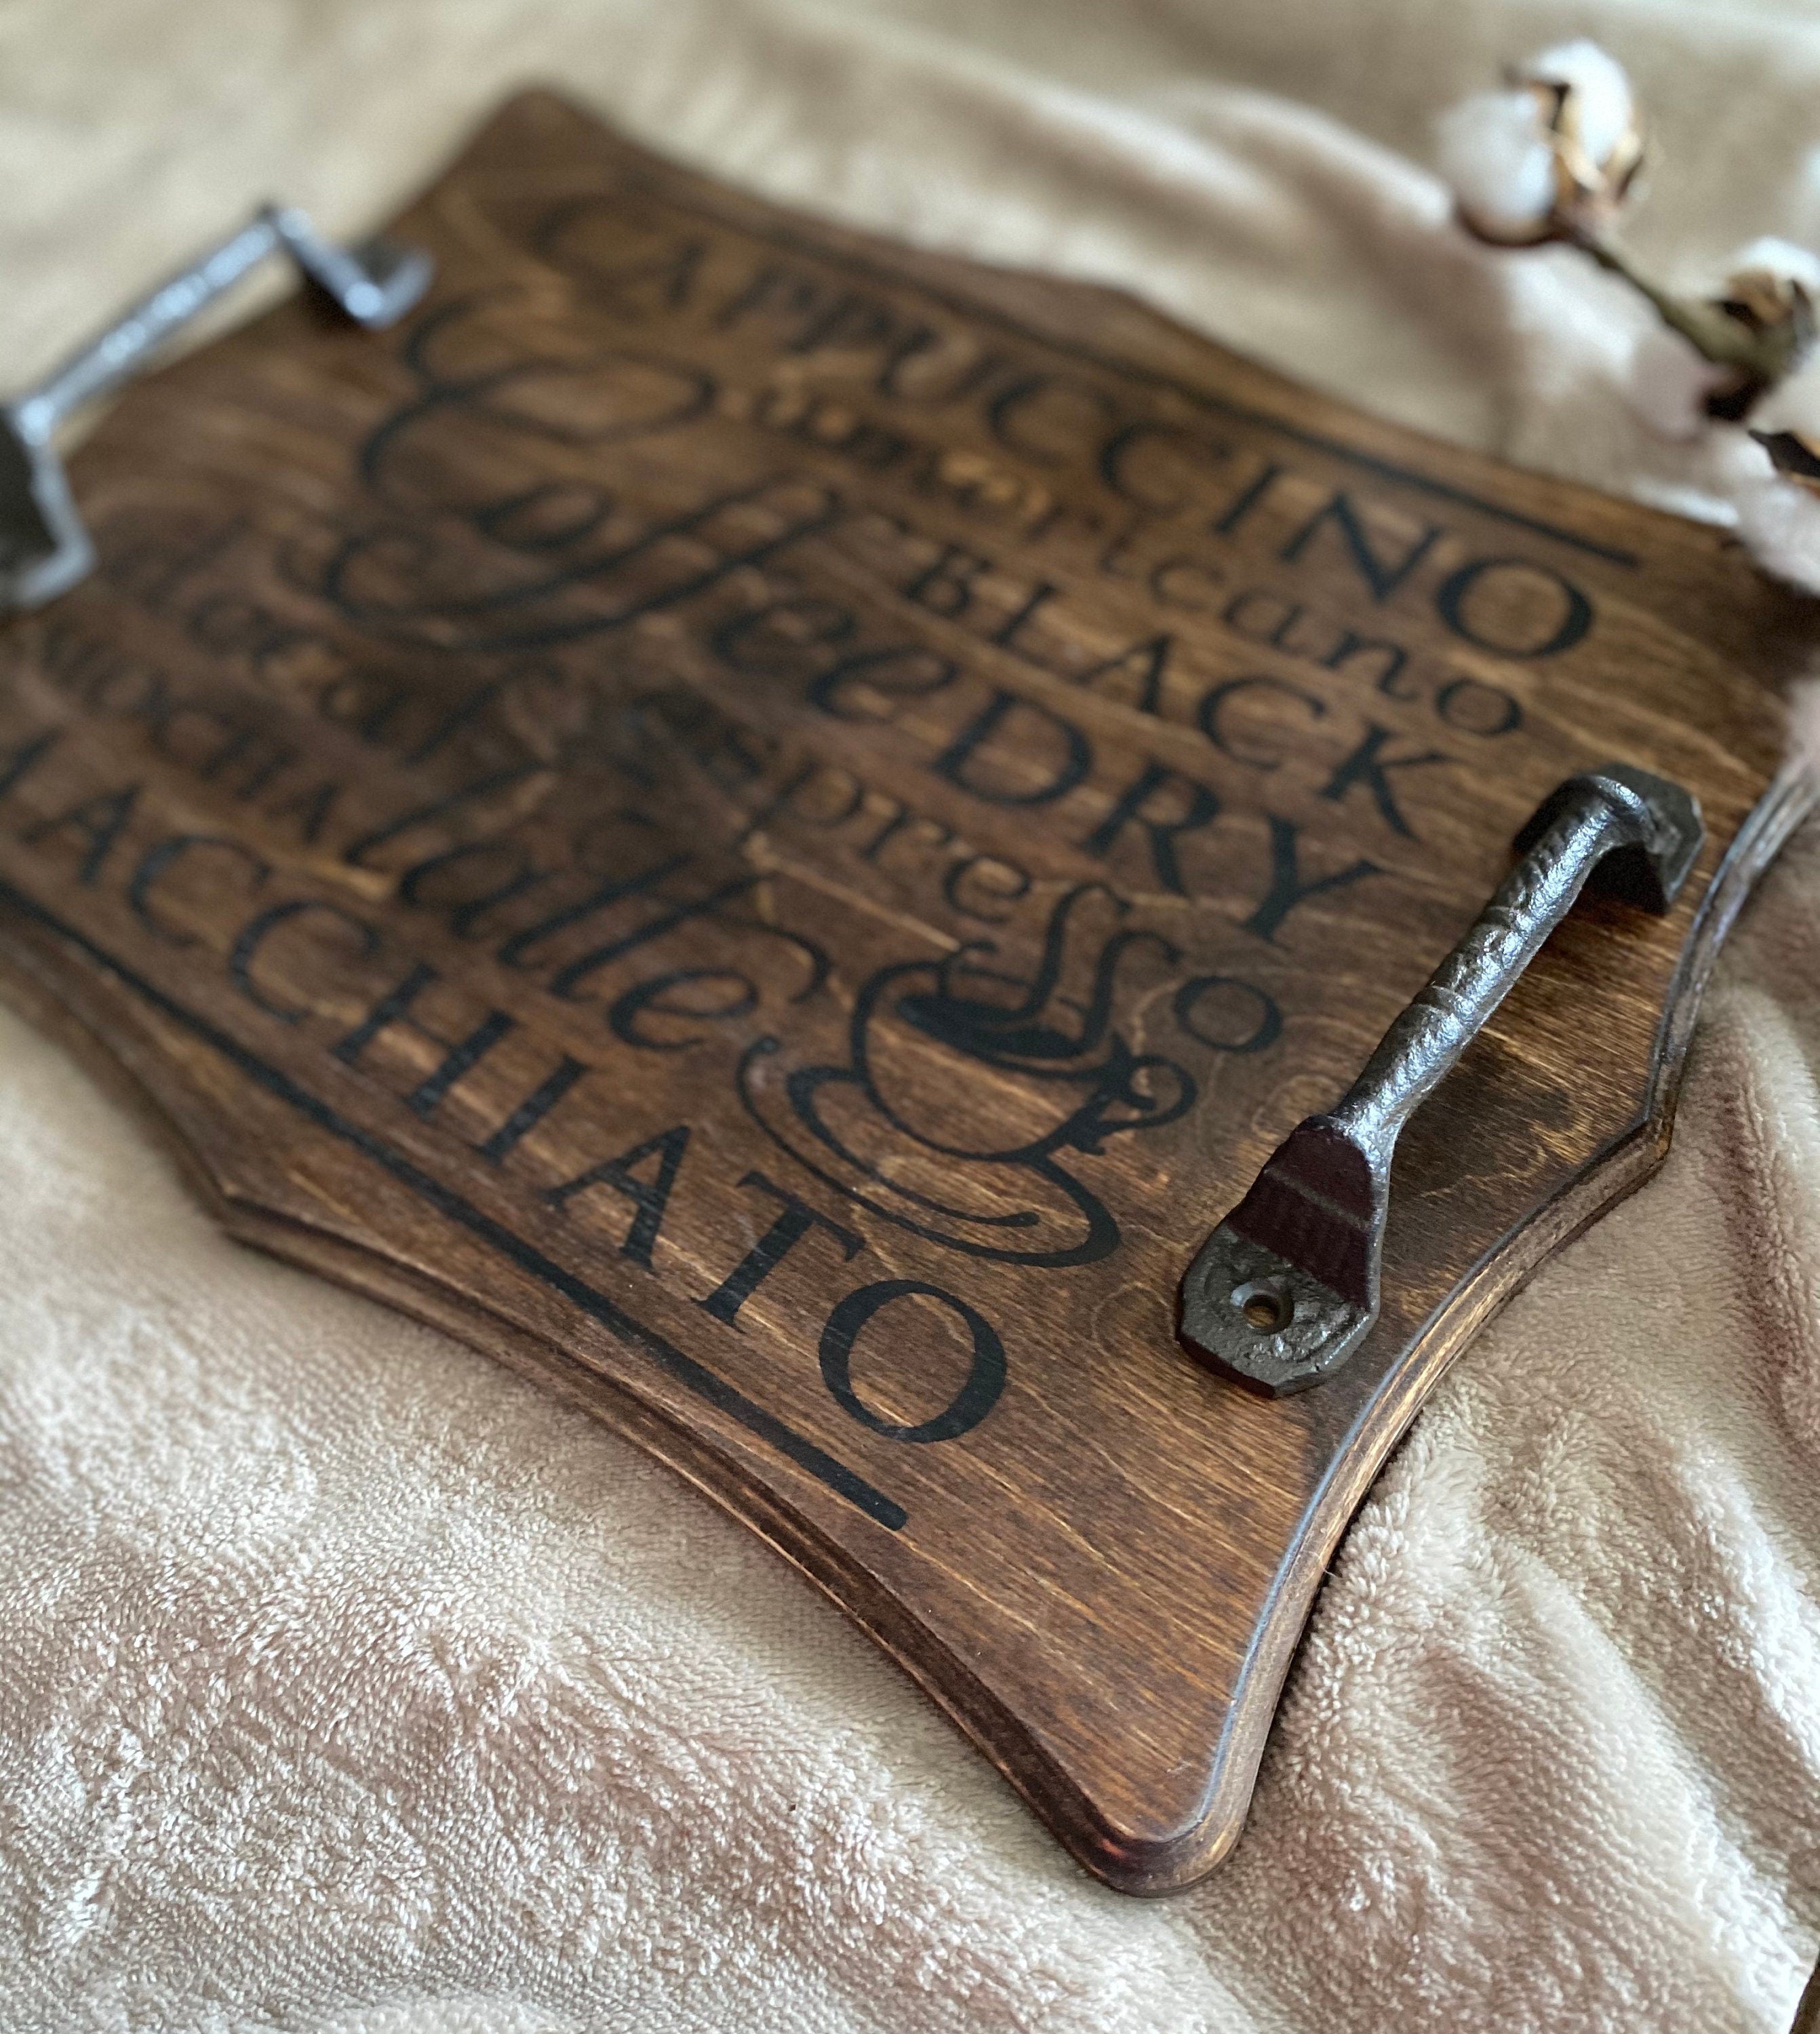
x=347, y=1683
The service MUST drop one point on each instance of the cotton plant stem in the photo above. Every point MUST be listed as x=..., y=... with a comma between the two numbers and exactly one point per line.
x=1766, y=357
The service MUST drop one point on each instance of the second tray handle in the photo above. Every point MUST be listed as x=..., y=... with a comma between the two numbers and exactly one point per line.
x=1286, y=1288
x=44, y=548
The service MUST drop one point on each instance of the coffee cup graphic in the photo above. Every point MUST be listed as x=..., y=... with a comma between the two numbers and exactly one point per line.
x=970, y=1093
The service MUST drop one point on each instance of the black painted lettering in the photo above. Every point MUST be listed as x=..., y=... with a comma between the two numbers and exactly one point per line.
x=669, y=277
x=789, y=508
x=1515, y=607
x=796, y=1220
x=1193, y=804
x=1210, y=716
x=738, y=756
x=157, y=862
x=1247, y=499
x=1479, y=709
x=1045, y=417
x=873, y=685
x=848, y=795
x=769, y=641
x=311, y=809
x=631, y=290
x=99, y=676
x=152, y=571
x=986, y=1378
x=946, y=584
x=532, y=1110
x=1253, y=1021
x=96, y=823
x=1117, y=550
x=363, y=701
x=1287, y=889
x=1383, y=575
x=1284, y=615
x=1007, y=633
x=16, y=765
x=650, y=1198
x=850, y=321
x=903, y=820
x=127, y=686
x=1368, y=766
x=467, y=796
x=1147, y=661
x=1002, y=882
x=1017, y=726
x=1134, y=452
x=460, y=1055
x=567, y=978
x=250, y=944
x=1353, y=646
x=772, y=290
x=512, y=950
x=462, y=715
x=230, y=626
x=647, y=1016
x=468, y=881
x=966, y=374
x=820, y=420
x=264, y=755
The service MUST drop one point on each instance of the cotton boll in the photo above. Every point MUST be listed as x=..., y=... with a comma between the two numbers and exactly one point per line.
x=1601, y=114
x=1780, y=259
x=1771, y=292
x=1668, y=385
x=1792, y=405
x=1551, y=158
x=1780, y=520
x=1494, y=150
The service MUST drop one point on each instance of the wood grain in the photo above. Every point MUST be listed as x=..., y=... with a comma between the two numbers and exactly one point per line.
x=552, y=810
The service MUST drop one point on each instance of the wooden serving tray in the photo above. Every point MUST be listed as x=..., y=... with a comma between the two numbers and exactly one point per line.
x=551, y=806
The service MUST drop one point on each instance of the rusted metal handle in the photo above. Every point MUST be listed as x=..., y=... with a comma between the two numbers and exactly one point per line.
x=1287, y=1287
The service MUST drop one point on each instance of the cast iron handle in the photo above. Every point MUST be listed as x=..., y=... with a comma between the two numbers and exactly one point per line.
x=1286, y=1288
x=44, y=549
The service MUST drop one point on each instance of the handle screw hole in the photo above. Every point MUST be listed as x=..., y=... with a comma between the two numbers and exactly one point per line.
x=1266, y=1305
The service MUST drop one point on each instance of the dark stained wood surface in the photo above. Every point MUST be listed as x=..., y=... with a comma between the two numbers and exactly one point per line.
x=550, y=808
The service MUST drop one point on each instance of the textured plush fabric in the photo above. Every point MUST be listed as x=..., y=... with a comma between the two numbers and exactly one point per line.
x=347, y=1683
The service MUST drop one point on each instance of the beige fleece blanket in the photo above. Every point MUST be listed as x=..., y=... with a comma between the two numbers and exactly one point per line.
x=347, y=1683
